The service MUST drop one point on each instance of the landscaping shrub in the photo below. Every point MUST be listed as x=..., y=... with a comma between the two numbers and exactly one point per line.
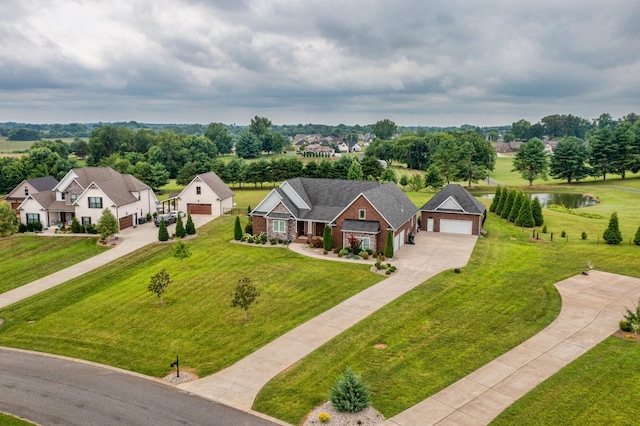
x=544, y=229
x=563, y=234
x=273, y=241
x=625, y=326
x=363, y=254
x=354, y=243
x=350, y=394
x=237, y=229
x=632, y=317
x=316, y=242
x=248, y=228
x=343, y=252
x=262, y=238
x=612, y=234
x=388, y=247
x=180, y=231
x=190, y=227
x=324, y=417
x=584, y=235
x=22, y=228
x=76, y=228
x=336, y=250
x=163, y=234
x=90, y=229
x=326, y=238
x=536, y=211
x=636, y=240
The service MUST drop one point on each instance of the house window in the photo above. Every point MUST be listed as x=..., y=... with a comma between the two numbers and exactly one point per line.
x=278, y=226
x=74, y=197
x=198, y=190
x=86, y=220
x=26, y=191
x=33, y=217
x=362, y=214
x=95, y=202
x=365, y=243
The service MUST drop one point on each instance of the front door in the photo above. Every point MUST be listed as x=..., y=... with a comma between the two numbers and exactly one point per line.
x=430, y=224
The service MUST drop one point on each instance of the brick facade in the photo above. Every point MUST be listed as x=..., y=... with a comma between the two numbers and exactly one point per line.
x=476, y=219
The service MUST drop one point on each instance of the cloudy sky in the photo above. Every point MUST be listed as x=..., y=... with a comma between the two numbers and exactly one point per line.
x=416, y=62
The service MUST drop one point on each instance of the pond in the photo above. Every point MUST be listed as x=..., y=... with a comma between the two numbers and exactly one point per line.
x=569, y=200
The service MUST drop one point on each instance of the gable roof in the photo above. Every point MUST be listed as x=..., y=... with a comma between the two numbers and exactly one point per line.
x=461, y=196
x=328, y=198
x=216, y=184
x=116, y=186
x=46, y=183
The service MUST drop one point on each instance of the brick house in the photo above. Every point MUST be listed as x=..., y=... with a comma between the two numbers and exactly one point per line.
x=301, y=208
x=453, y=210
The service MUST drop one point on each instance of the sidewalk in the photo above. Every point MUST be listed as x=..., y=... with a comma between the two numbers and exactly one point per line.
x=592, y=306
x=239, y=384
x=130, y=240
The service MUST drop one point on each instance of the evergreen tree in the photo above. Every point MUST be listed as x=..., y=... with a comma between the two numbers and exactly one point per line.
x=8, y=219
x=180, y=231
x=350, y=393
x=76, y=228
x=163, y=234
x=517, y=204
x=525, y=216
x=433, y=178
x=403, y=180
x=536, y=211
x=237, y=230
x=531, y=161
x=355, y=171
x=107, y=225
x=612, y=234
x=503, y=199
x=636, y=240
x=180, y=250
x=388, y=246
x=190, y=228
x=508, y=204
x=327, y=242
x=388, y=175
x=496, y=199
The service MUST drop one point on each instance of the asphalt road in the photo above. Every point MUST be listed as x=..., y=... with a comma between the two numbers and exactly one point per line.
x=51, y=391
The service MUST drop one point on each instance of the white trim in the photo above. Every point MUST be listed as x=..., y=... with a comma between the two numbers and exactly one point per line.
x=447, y=201
x=294, y=196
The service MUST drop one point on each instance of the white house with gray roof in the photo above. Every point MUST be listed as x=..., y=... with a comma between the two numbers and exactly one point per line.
x=206, y=194
x=84, y=193
x=301, y=208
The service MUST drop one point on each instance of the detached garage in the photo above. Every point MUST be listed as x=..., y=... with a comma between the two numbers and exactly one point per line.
x=453, y=210
x=206, y=194
x=199, y=208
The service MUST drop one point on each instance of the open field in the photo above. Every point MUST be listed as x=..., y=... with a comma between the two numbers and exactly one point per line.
x=455, y=323
x=108, y=315
x=28, y=258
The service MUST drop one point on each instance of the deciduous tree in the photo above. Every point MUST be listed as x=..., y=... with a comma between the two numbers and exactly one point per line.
x=107, y=225
x=384, y=129
x=245, y=295
x=8, y=219
x=159, y=283
x=180, y=250
x=355, y=171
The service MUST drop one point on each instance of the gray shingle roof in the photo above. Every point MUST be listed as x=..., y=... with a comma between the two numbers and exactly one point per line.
x=116, y=186
x=42, y=184
x=392, y=203
x=214, y=182
x=367, y=226
x=468, y=202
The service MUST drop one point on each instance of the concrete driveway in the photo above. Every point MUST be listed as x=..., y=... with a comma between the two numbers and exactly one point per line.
x=239, y=384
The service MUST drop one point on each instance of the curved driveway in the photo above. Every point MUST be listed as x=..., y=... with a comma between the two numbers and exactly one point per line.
x=54, y=391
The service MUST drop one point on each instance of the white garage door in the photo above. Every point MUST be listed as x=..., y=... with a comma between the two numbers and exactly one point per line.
x=456, y=226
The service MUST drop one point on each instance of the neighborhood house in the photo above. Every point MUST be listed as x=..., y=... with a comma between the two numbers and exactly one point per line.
x=453, y=210
x=301, y=208
x=206, y=194
x=84, y=193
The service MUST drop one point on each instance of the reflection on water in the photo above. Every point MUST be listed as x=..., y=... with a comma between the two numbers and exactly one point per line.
x=572, y=201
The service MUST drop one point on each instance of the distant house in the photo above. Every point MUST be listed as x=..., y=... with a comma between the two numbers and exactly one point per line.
x=206, y=194
x=84, y=193
x=323, y=150
x=301, y=208
x=29, y=186
x=453, y=210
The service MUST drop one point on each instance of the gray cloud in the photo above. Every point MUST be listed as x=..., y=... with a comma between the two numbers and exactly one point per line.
x=432, y=63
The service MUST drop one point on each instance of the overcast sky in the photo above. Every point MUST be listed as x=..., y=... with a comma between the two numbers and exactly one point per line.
x=416, y=62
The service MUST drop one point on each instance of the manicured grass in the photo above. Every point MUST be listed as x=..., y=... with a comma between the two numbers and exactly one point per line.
x=455, y=323
x=9, y=420
x=108, y=315
x=27, y=258
x=599, y=388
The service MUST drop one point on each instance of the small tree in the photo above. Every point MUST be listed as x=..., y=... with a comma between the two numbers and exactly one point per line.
x=163, y=234
x=355, y=171
x=433, y=177
x=8, y=219
x=327, y=241
x=180, y=250
x=107, y=225
x=180, y=231
x=350, y=393
x=403, y=180
x=636, y=240
x=525, y=216
x=536, y=211
x=503, y=199
x=416, y=183
x=190, y=228
x=237, y=229
x=76, y=228
x=245, y=295
x=388, y=246
x=159, y=283
x=612, y=234
x=496, y=199
x=508, y=204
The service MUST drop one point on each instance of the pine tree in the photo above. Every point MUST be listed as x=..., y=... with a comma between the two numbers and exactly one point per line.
x=190, y=228
x=525, y=216
x=327, y=242
x=388, y=246
x=496, y=199
x=636, y=240
x=515, y=209
x=163, y=234
x=503, y=199
x=237, y=230
x=612, y=234
x=508, y=204
x=180, y=231
x=536, y=211
x=350, y=393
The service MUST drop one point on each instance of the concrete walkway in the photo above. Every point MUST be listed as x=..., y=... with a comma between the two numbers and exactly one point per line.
x=592, y=306
x=239, y=384
x=130, y=240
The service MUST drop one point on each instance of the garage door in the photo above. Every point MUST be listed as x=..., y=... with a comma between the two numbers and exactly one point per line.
x=126, y=222
x=456, y=226
x=199, y=208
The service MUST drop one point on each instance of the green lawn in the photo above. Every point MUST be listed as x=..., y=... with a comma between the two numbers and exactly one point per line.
x=453, y=324
x=108, y=315
x=599, y=388
x=9, y=420
x=27, y=258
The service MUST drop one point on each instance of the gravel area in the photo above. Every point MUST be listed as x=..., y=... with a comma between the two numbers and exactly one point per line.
x=367, y=417
x=185, y=377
